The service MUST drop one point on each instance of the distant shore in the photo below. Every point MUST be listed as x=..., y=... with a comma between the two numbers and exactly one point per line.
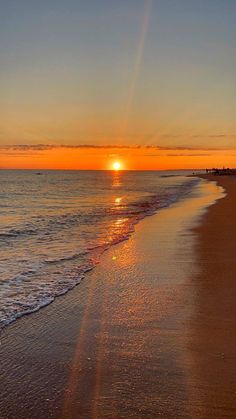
x=149, y=333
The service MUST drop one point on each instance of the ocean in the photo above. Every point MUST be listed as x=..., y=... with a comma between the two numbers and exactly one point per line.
x=54, y=226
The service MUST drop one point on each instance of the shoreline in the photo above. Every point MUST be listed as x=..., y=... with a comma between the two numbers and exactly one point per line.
x=93, y=349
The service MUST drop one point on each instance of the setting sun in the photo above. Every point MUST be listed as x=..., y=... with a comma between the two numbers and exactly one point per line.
x=116, y=165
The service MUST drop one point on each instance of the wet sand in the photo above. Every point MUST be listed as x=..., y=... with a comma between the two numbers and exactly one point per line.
x=149, y=333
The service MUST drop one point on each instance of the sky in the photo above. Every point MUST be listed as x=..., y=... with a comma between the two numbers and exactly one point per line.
x=150, y=83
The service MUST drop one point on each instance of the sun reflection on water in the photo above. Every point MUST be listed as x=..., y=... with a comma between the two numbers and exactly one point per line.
x=118, y=200
x=116, y=180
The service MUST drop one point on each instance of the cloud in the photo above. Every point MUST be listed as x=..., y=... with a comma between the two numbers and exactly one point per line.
x=214, y=136
x=179, y=155
x=189, y=155
x=27, y=147
x=43, y=147
x=157, y=135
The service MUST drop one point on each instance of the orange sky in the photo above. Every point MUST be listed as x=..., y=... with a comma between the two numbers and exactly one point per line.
x=148, y=83
x=102, y=158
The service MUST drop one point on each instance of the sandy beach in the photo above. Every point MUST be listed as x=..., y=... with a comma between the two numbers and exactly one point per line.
x=213, y=341
x=149, y=333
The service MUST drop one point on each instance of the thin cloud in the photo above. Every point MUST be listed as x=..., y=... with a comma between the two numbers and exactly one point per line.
x=215, y=136
x=32, y=148
x=179, y=155
x=189, y=155
x=42, y=147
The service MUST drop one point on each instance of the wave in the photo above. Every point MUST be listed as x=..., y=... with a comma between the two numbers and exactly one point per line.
x=14, y=233
x=166, y=176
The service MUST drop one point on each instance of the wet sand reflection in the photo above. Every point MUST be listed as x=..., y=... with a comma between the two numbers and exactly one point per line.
x=136, y=327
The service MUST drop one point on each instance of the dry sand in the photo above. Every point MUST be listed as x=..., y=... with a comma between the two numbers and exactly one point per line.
x=213, y=343
x=149, y=333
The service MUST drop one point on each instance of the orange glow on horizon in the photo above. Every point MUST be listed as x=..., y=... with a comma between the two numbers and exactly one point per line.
x=69, y=158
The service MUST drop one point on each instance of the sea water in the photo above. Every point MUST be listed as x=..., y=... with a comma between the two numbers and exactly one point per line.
x=54, y=226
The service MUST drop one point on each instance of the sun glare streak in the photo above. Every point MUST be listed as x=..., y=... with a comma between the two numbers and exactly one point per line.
x=138, y=61
x=176, y=122
x=74, y=377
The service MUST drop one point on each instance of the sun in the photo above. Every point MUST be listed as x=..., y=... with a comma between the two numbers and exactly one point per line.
x=116, y=165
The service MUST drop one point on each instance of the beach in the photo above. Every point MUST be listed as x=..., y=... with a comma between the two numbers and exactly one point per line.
x=213, y=343
x=148, y=333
